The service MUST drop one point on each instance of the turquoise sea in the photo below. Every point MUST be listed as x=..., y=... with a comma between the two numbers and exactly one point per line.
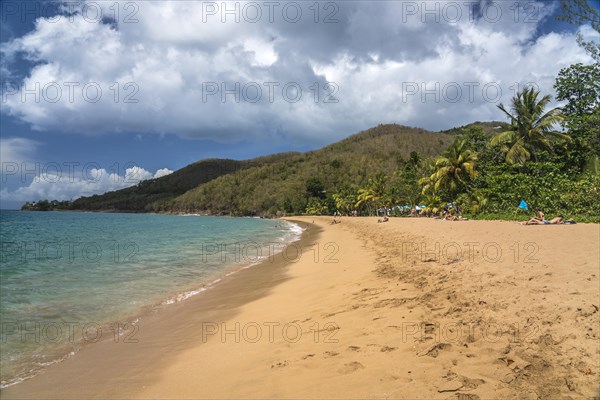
x=64, y=276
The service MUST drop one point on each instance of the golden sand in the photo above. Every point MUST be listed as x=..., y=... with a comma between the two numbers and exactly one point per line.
x=408, y=309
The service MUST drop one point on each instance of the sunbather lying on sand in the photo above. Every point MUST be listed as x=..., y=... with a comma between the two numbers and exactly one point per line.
x=450, y=217
x=538, y=221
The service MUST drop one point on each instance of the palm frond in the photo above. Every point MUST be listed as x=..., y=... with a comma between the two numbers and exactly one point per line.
x=518, y=153
x=503, y=138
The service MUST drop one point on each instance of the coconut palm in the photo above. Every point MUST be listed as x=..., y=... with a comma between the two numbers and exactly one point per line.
x=433, y=203
x=365, y=196
x=453, y=169
x=373, y=192
x=344, y=202
x=531, y=127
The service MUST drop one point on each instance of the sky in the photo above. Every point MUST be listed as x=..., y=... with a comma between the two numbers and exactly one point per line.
x=99, y=95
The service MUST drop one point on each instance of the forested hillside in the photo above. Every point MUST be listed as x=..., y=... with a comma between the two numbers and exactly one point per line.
x=287, y=186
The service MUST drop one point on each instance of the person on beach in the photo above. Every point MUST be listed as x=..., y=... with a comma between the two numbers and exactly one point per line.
x=541, y=216
x=384, y=219
x=538, y=221
x=447, y=216
x=335, y=216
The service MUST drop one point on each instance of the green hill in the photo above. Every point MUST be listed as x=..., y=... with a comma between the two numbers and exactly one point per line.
x=489, y=128
x=283, y=186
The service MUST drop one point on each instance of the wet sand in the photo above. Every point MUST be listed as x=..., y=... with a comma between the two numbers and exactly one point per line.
x=409, y=309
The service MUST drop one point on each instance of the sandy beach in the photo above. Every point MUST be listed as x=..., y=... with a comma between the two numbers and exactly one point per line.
x=408, y=309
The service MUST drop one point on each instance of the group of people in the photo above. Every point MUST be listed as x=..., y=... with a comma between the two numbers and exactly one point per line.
x=445, y=214
x=448, y=215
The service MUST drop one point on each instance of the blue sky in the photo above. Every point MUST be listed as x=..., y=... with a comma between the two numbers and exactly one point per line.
x=435, y=65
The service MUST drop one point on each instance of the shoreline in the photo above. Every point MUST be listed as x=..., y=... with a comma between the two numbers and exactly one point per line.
x=224, y=287
x=373, y=310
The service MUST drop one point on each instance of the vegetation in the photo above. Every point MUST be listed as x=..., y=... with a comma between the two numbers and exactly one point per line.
x=453, y=169
x=45, y=205
x=531, y=127
x=582, y=12
x=579, y=85
x=354, y=170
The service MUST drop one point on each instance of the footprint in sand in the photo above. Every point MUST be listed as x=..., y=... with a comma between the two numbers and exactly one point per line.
x=351, y=367
x=330, y=354
x=386, y=349
x=470, y=383
x=354, y=348
x=280, y=364
x=433, y=350
x=306, y=357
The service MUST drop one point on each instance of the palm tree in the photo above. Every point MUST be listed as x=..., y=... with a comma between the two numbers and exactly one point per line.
x=531, y=127
x=365, y=196
x=453, y=169
x=433, y=203
x=373, y=192
x=379, y=187
x=344, y=202
x=391, y=197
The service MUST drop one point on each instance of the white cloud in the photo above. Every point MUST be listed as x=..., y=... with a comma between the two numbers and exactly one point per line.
x=162, y=172
x=169, y=60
